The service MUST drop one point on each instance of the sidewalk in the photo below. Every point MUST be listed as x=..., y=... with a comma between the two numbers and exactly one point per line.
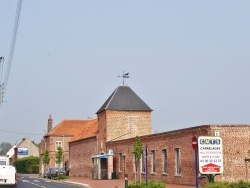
x=90, y=183
x=118, y=183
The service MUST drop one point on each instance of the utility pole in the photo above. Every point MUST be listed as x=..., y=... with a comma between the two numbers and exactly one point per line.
x=1, y=84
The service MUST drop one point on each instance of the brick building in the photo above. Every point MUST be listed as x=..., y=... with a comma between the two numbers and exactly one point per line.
x=60, y=135
x=105, y=147
x=171, y=156
x=123, y=115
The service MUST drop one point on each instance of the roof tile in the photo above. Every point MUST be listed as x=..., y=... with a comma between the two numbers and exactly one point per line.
x=70, y=127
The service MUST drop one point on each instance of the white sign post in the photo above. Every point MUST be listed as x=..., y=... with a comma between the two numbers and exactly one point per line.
x=210, y=155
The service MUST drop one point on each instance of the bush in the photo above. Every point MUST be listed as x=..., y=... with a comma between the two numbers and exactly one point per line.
x=150, y=184
x=240, y=184
x=60, y=177
x=34, y=169
x=27, y=165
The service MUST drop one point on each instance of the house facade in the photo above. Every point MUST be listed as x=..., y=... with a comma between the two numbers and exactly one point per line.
x=25, y=148
x=11, y=154
x=59, y=136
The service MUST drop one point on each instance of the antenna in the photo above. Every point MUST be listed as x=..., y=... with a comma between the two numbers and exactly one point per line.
x=124, y=75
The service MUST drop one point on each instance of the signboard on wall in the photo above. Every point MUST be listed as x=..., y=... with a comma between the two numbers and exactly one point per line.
x=210, y=155
x=22, y=151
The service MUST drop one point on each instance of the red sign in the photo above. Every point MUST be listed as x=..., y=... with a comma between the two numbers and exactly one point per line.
x=210, y=168
x=194, y=143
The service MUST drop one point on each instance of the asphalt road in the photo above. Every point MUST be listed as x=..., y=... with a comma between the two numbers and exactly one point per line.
x=32, y=182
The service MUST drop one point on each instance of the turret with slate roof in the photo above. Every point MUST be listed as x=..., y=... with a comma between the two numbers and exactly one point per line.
x=123, y=115
x=124, y=99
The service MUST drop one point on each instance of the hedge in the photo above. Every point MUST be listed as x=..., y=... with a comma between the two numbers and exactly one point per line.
x=27, y=165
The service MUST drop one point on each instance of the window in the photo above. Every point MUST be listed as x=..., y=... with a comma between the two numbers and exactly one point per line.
x=143, y=162
x=134, y=164
x=178, y=161
x=164, y=161
x=2, y=162
x=120, y=162
x=58, y=144
x=153, y=161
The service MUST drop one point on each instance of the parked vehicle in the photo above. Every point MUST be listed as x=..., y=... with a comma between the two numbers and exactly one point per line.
x=8, y=176
x=54, y=172
x=4, y=160
x=46, y=172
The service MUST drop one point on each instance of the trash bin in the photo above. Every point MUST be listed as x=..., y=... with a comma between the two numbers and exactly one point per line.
x=113, y=175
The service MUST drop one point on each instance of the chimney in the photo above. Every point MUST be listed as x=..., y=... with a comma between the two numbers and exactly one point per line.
x=50, y=121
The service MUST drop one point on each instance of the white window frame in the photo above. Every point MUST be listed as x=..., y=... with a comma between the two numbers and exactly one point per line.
x=164, y=161
x=58, y=144
x=143, y=162
x=153, y=162
x=177, y=161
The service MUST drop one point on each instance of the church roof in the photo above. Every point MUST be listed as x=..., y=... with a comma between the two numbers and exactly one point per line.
x=124, y=99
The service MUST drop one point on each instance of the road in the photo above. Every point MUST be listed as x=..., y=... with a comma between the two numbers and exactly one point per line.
x=33, y=182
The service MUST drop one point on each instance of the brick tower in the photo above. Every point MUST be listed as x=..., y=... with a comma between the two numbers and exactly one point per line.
x=123, y=115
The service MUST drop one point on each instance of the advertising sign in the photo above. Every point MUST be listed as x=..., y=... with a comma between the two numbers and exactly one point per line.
x=22, y=151
x=210, y=155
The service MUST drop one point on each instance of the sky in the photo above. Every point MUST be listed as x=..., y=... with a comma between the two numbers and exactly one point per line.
x=188, y=60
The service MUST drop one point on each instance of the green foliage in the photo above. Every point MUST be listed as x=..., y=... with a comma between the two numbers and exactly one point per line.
x=33, y=169
x=46, y=158
x=150, y=184
x=59, y=155
x=61, y=177
x=27, y=165
x=138, y=148
x=240, y=184
x=4, y=148
x=137, y=151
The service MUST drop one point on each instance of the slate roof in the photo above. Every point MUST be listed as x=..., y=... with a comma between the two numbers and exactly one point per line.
x=124, y=99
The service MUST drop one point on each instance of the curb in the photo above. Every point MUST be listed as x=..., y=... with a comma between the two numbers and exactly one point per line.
x=83, y=185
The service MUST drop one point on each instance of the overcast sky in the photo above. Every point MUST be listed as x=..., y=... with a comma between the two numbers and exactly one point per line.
x=188, y=60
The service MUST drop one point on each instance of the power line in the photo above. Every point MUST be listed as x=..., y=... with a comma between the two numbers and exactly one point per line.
x=18, y=132
x=13, y=43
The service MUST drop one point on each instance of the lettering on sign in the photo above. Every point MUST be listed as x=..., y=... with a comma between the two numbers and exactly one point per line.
x=210, y=155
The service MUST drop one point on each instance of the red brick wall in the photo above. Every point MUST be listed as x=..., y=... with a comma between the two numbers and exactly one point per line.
x=49, y=144
x=101, y=136
x=235, y=149
x=235, y=146
x=119, y=125
x=80, y=157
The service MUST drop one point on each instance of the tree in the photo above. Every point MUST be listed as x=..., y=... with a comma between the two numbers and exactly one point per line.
x=59, y=156
x=137, y=151
x=46, y=158
x=5, y=147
